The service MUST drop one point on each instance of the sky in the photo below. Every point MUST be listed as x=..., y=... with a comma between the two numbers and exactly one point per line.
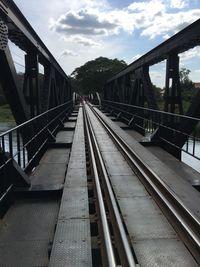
x=76, y=31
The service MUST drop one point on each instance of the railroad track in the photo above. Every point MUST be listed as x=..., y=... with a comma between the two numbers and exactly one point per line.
x=117, y=249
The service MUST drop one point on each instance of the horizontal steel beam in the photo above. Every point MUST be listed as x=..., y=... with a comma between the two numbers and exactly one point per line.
x=23, y=35
x=180, y=42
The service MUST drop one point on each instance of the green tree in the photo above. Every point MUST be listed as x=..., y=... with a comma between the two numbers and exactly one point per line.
x=157, y=91
x=185, y=82
x=92, y=76
x=187, y=87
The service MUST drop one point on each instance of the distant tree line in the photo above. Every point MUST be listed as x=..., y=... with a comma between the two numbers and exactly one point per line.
x=92, y=76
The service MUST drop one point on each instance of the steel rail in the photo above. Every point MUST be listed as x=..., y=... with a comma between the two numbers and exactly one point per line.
x=110, y=257
x=126, y=255
x=186, y=223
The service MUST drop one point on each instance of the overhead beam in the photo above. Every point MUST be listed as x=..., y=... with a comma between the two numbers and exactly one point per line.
x=180, y=42
x=16, y=22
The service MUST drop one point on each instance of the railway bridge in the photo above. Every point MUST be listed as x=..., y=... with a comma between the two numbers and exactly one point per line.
x=96, y=182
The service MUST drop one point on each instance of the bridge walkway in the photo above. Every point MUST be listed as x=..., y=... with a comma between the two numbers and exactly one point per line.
x=72, y=241
x=178, y=175
x=180, y=167
x=27, y=229
x=53, y=162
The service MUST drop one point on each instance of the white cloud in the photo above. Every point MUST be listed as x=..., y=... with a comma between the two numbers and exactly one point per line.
x=67, y=52
x=136, y=57
x=155, y=6
x=157, y=77
x=94, y=23
x=198, y=71
x=178, y=4
x=166, y=36
x=155, y=74
x=85, y=22
x=190, y=54
x=78, y=39
x=170, y=23
x=152, y=18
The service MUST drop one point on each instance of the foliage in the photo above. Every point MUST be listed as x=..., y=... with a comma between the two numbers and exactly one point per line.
x=185, y=83
x=157, y=91
x=184, y=75
x=92, y=76
x=187, y=88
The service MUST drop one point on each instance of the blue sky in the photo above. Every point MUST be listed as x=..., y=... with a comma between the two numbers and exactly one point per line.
x=76, y=31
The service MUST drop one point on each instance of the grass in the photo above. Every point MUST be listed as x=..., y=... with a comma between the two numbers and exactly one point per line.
x=6, y=114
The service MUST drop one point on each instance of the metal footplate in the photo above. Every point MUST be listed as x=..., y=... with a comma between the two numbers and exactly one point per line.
x=72, y=244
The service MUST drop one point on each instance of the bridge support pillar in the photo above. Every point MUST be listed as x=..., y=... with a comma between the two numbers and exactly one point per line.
x=172, y=96
x=148, y=88
x=31, y=83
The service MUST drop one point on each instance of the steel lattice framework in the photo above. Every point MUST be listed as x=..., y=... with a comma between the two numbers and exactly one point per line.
x=133, y=85
x=132, y=88
x=35, y=97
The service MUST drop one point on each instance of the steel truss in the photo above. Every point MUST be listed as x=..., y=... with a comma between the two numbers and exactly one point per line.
x=35, y=102
x=132, y=86
x=39, y=92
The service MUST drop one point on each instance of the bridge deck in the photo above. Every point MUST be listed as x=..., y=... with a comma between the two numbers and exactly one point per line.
x=174, y=173
x=27, y=231
x=34, y=226
x=72, y=241
x=153, y=239
x=182, y=169
x=54, y=162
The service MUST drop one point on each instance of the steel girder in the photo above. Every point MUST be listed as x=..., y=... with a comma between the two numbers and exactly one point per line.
x=180, y=42
x=140, y=87
x=39, y=92
x=134, y=88
x=172, y=95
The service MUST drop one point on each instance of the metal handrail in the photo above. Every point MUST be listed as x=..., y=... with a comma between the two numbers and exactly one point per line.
x=153, y=110
x=27, y=150
x=33, y=119
x=149, y=120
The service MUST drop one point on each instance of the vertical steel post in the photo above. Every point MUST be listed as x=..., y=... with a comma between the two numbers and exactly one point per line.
x=148, y=88
x=172, y=86
x=32, y=83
